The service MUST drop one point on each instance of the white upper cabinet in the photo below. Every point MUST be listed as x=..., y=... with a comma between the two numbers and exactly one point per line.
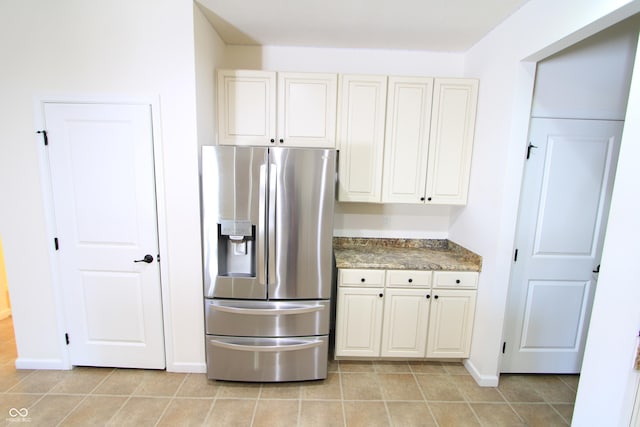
x=268, y=108
x=246, y=107
x=307, y=109
x=451, y=141
x=362, y=102
x=407, y=139
x=422, y=152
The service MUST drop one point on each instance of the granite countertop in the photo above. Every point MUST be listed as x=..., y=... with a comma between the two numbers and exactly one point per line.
x=404, y=254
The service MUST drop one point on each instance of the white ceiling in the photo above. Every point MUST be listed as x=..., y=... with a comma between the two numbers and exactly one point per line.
x=435, y=25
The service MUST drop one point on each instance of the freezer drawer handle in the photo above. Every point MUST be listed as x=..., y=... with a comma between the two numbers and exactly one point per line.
x=268, y=311
x=267, y=348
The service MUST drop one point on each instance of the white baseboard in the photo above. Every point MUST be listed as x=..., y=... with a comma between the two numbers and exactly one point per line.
x=57, y=364
x=195, y=368
x=482, y=380
x=5, y=313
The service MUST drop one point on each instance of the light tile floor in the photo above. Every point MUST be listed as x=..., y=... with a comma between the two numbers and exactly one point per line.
x=354, y=394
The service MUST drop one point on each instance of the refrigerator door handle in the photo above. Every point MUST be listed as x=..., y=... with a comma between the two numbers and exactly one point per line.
x=262, y=225
x=266, y=348
x=267, y=311
x=271, y=223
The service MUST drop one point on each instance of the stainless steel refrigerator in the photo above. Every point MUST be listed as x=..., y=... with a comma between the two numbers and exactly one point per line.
x=267, y=245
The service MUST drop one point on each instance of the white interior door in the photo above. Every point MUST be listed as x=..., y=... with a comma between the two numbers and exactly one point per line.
x=563, y=212
x=103, y=185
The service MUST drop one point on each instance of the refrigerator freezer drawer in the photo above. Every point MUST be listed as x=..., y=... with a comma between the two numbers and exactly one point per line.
x=267, y=359
x=267, y=318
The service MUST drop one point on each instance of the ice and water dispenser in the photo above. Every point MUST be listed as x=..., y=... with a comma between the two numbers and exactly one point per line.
x=236, y=248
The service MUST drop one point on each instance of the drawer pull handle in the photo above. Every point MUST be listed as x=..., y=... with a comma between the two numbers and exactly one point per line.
x=266, y=348
x=267, y=311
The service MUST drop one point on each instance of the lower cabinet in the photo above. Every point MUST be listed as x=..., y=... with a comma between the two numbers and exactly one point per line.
x=379, y=316
x=406, y=315
x=451, y=323
x=358, y=322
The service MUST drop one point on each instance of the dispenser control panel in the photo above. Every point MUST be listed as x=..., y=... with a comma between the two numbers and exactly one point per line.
x=235, y=228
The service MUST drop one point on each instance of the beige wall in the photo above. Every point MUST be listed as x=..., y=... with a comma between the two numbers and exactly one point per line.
x=5, y=305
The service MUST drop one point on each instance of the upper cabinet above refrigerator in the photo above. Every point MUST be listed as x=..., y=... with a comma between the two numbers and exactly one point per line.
x=276, y=109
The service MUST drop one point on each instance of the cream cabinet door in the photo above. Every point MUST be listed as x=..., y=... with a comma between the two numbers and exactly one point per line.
x=307, y=109
x=361, y=114
x=407, y=139
x=359, y=321
x=451, y=140
x=246, y=107
x=406, y=315
x=451, y=323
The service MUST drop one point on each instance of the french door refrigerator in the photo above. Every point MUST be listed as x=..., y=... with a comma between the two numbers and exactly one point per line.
x=267, y=246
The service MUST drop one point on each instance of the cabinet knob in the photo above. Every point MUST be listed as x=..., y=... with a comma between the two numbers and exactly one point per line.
x=410, y=280
x=281, y=140
x=273, y=140
x=435, y=297
x=362, y=280
x=380, y=295
x=428, y=296
x=422, y=199
x=428, y=199
x=458, y=281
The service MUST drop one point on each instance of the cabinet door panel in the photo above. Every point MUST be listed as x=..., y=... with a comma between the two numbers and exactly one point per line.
x=358, y=322
x=361, y=113
x=407, y=139
x=307, y=109
x=451, y=323
x=246, y=107
x=451, y=140
x=404, y=331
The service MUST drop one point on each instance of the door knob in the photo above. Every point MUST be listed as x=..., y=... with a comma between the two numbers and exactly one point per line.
x=147, y=258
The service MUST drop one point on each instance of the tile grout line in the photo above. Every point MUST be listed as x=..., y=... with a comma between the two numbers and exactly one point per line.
x=424, y=397
x=344, y=410
x=558, y=412
x=510, y=405
x=86, y=396
x=255, y=407
x=171, y=400
x=213, y=402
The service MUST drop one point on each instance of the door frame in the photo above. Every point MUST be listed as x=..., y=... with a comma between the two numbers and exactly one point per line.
x=49, y=214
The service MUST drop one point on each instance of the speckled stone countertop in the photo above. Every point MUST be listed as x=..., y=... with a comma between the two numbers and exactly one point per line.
x=404, y=254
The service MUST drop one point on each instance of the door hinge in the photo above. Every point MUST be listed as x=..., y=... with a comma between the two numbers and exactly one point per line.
x=66, y=338
x=504, y=346
x=158, y=258
x=515, y=256
x=44, y=136
x=529, y=147
x=56, y=245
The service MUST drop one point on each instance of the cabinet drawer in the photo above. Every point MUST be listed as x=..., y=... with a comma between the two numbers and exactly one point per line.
x=267, y=359
x=409, y=278
x=455, y=279
x=267, y=318
x=360, y=277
